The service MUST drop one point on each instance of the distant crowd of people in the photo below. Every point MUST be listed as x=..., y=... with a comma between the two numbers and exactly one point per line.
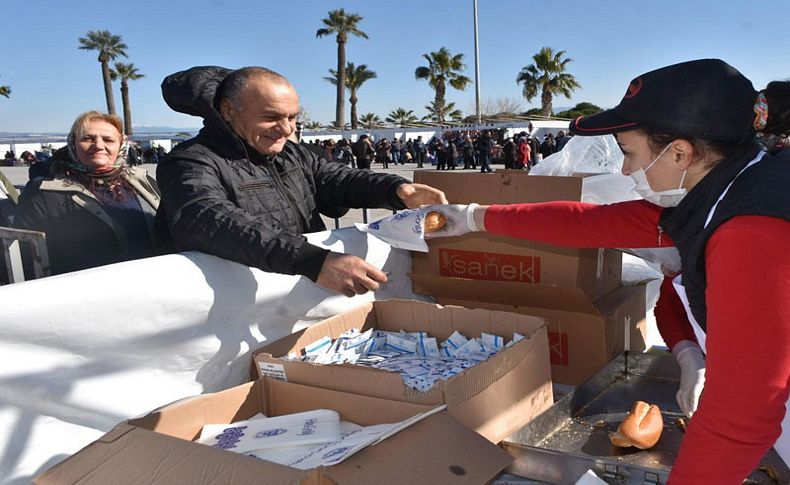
x=137, y=155
x=462, y=149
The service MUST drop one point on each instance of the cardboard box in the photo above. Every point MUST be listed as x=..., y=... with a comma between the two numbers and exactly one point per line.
x=583, y=336
x=495, y=397
x=156, y=449
x=593, y=272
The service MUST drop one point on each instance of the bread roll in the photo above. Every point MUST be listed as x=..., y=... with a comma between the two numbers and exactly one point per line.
x=641, y=428
x=434, y=221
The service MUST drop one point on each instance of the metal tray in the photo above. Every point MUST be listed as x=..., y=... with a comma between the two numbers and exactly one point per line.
x=573, y=435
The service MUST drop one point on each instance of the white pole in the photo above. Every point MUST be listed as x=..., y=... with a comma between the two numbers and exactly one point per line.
x=477, y=68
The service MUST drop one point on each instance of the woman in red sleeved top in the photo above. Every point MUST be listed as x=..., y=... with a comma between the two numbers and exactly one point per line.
x=688, y=134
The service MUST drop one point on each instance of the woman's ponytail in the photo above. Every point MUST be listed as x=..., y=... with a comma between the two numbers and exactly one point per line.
x=777, y=97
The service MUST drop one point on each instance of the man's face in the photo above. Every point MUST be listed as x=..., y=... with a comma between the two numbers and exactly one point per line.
x=263, y=114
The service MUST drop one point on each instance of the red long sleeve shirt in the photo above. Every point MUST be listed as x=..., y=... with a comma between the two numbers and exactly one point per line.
x=747, y=262
x=671, y=318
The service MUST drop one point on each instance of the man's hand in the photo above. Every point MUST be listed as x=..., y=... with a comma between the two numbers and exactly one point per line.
x=460, y=219
x=349, y=275
x=415, y=195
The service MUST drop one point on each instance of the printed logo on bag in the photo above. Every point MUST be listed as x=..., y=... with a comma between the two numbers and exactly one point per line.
x=308, y=428
x=489, y=266
x=229, y=437
x=270, y=433
x=558, y=348
x=374, y=226
x=335, y=454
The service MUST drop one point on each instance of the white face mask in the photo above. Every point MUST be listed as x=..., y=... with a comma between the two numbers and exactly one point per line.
x=665, y=198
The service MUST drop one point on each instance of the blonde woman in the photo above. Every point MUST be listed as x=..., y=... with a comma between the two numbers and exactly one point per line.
x=94, y=208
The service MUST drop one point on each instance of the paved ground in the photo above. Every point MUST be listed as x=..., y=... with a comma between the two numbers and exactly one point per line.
x=18, y=176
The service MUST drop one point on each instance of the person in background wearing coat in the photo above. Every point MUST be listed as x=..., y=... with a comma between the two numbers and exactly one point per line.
x=94, y=208
x=363, y=151
x=524, y=154
x=242, y=191
x=484, y=147
x=509, y=154
x=688, y=136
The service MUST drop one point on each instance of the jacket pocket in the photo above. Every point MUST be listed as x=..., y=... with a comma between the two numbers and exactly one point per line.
x=254, y=185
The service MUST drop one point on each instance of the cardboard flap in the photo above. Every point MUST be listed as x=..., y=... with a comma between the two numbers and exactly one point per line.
x=184, y=419
x=142, y=456
x=436, y=450
x=507, y=293
x=289, y=398
x=502, y=187
x=115, y=433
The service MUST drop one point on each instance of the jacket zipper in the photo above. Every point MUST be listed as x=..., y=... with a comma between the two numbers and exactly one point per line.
x=272, y=169
x=281, y=186
x=660, y=234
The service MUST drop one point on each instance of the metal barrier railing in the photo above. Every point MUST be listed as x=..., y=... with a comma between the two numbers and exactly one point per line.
x=36, y=242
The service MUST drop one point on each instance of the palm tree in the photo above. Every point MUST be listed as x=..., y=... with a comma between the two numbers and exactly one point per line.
x=547, y=75
x=109, y=47
x=341, y=24
x=355, y=78
x=440, y=113
x=5, y=91
x=369, y=120
x=443, y=68
x=126, y=72
x=401, y=117
x=313, y=125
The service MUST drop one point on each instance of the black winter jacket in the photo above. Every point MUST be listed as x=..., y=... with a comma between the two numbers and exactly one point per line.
x=221, y=197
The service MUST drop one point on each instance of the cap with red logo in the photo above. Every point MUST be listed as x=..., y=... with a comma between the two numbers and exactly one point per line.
x=706, y=99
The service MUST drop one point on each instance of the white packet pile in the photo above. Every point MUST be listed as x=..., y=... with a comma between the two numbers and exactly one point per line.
x=418, y=358
x=309, y=428
x=351, y=439
x=404, y=230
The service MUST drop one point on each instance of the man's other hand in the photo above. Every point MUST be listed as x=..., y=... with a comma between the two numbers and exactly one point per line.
x=349, y=275
x=416, y=195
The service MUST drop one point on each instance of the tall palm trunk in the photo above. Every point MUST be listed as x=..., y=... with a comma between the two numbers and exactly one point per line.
x=105, y=72
x=127, y=108
x=546, y=101
x=353, y=100
x=340, y=104
x=441, y=89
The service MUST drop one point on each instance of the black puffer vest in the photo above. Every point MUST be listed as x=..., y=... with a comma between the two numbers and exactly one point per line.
x=762, y=189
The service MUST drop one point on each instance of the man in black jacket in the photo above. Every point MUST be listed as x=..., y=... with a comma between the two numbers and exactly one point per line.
x=242, y=191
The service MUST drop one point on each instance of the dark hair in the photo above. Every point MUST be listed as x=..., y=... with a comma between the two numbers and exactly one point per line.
x=234, y=84
x=658, y=140
x=777, y=94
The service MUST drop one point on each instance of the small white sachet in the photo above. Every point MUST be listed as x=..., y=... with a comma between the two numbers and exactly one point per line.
x=308, y=428
x=404, y=230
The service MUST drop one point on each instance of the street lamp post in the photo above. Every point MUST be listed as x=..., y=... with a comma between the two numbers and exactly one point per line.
x=477, y=68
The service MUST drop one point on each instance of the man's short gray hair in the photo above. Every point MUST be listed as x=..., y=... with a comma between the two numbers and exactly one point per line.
x=237, y=81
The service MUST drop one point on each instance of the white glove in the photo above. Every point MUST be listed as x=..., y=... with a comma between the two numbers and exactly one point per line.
x=459, y=220
x=692, y=375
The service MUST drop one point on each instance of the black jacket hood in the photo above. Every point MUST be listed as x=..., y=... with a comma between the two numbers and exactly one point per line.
x=193, y=92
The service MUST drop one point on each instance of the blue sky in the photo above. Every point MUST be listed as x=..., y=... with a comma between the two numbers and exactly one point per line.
x=52, y=81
